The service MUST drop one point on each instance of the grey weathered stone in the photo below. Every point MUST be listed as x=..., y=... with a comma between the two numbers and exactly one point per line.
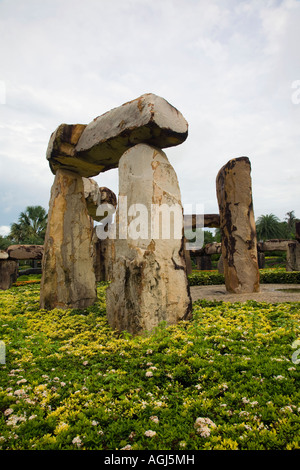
x=104, y=255
x=293, y=256
x=68, y=279
x=147, y=119
x=204, y=263
x=188, y=260
x=239, y=245
x=149, y=281
x=209, y=220
x=8, y=273
x=208, y=249
x=220, y=265
x=212, y=248
x=273, y=245
x=261, y=259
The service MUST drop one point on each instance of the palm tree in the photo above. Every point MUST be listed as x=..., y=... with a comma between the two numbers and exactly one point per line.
x=31, y=226
x=4, y=242
x=16, y=233
x=290, y=222
x=268, y=227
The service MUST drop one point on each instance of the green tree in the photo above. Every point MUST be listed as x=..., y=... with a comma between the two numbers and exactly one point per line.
x=31, y=226
x=217, y=235
x=268, y=227
x=208, y=237
x=4, y=242
x=290, y=223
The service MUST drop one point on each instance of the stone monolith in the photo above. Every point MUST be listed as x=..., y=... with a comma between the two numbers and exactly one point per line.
x=8, y=273
x=149, y=281
x=238, y=231
x=68, y=279
x=293, y=256
x=98, y=146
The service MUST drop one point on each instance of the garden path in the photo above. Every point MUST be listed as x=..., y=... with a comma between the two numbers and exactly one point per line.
x=271, y=293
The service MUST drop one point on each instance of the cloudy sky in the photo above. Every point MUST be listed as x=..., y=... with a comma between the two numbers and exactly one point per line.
x=232, y=67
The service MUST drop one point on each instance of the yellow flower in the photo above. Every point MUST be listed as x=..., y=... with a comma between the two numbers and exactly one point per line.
x=61, y=427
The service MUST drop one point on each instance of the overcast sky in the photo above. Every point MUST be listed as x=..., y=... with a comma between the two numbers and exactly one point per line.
x=232, y=67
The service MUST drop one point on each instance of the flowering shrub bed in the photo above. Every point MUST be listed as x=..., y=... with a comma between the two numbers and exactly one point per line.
x=224, y=380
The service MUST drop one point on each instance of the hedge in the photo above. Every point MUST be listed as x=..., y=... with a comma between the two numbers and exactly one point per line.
x=208, y=278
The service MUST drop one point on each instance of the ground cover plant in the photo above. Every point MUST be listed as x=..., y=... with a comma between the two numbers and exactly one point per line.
x=227, y=379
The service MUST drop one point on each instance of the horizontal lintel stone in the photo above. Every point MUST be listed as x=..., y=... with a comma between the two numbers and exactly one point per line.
x=25, y=251
x=97, y=147
x=274, y=245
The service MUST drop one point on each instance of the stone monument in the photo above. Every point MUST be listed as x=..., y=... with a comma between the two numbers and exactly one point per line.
x=239, y=244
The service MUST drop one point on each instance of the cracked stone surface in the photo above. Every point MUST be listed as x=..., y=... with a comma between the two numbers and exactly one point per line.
x=239, y=244
x=68, y=279
x=149, y=281
x=98, y=146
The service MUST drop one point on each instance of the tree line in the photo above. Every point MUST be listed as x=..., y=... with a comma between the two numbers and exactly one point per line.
x=268, y=227
x=29, y=230
x=32, y=223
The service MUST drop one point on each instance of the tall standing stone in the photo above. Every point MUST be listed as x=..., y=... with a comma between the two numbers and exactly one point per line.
x=149, y=281
x=239, y=244
x=68, y=279
x=8, y=273
x=293, y=256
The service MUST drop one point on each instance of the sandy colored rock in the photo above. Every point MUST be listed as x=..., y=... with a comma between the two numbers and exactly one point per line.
x=273, y=245
x=21, y=252
x=97, y=147
x=3, y=254
x=149, y=281
x=68, y=279
x=61, y=151
x=239, y=245
x=95, y=195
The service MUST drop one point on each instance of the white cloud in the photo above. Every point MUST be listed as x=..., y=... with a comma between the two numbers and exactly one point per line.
x=228, y=66
x=4, y=230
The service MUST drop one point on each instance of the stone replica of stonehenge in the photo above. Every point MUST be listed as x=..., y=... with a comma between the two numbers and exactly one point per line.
x=148, y=274
x=148, y=277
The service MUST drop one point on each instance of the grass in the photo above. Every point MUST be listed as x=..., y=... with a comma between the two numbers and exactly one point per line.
x=224, y=380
